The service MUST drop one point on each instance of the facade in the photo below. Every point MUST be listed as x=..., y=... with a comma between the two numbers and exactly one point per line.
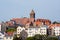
x=56, y=30
x=43, y=30
x=8, y=36
x=3, y=27
x=31, y=31
x=1, y=35
x=19, y=29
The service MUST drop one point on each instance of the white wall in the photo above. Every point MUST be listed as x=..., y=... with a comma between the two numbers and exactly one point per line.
x=31, y=31
x=19, y=29
x=8, y=38
x=43, y=30
x=56, y=31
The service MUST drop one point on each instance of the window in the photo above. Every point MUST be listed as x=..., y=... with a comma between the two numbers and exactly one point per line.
x=18, y=32
x=6, y=37
x=18, y=29
x=59, y=30
x=10, y=37
x=42, y=32
x=44, y=29
x=40, y=29
x=0, y=34
x=30, y=29
x=30, y=32
x=36, y=28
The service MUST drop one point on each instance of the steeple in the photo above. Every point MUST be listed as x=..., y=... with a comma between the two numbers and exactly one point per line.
x=32, y=14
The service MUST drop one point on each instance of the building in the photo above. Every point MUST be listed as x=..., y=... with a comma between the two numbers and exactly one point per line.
x=31, y=31
x=32, y=14
x=1, y=36
x=43, y=30
x=8, y=36
x=3, y=27
x=19, y=29
x=54, y=29
x=23, y=21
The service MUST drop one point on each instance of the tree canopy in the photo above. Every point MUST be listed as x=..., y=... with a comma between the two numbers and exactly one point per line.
x=38, y=37
x=11, y=30
x=55, y=22
x=41, y=37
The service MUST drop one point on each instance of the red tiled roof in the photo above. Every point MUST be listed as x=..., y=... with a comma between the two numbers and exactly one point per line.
x=53, y=25
x=45, y=21
x=9, y=23
x=24, y=21
x=10, y=33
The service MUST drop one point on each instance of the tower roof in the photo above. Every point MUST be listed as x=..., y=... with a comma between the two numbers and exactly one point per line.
x=32, y=12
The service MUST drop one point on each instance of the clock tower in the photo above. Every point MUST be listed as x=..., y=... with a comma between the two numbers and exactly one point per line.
x=32, y=14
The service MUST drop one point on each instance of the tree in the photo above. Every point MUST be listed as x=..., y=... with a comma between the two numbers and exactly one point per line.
x=55, y=22
x=40, y=37
x=11, y=30
x=15, y=38
x=37, y=37
x=52, y=38
x=23, y=35
x=30, y=38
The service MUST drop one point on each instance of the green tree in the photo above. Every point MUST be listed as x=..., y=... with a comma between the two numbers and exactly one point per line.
x=52, y=38
x=11, y=30
x=30, y=38
x=55, y=22
x=40, y=37
x=15, y=37
x=23, y=35
x=37, y=37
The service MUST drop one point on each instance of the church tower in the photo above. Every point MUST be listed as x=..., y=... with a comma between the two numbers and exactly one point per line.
x=32, y=14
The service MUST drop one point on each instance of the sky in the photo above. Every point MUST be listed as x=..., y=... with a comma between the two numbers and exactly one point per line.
x=47, y=9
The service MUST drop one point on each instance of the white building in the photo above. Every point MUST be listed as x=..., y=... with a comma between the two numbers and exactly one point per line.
x=56, y=30
x=19, y=29
x=8, y=36
x=43, y=30
x=31, y=31
x=1, y=36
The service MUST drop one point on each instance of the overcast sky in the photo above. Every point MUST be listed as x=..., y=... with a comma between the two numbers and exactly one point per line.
x=47, y=9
